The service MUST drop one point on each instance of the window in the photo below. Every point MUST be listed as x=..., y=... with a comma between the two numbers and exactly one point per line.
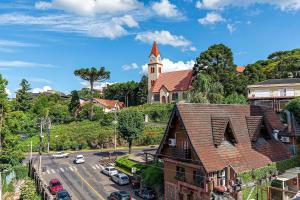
x=286, y=92
x=152, y=82
x=152, y=70
x=262, y=93
x=180, y=173
x=229, y=135
x=159, y=70
x=156, y=97
x=175, y=96
x=198, y=178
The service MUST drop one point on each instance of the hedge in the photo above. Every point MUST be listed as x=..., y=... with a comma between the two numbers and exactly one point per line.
x=127, y=164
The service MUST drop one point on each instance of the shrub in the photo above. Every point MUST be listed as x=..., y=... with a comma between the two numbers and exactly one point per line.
x=28, y=191
x=127, y=164
x=153, y=176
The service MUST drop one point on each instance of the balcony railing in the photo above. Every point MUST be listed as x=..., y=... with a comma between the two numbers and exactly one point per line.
x=181, y=153
x=180, y=177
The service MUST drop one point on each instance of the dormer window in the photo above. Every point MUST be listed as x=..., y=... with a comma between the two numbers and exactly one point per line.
x=222, y=131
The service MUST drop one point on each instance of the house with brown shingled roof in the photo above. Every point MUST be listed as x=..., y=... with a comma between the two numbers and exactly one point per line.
x=205, y=146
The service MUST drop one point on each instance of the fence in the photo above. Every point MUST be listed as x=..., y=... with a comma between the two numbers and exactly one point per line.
x=41, y=186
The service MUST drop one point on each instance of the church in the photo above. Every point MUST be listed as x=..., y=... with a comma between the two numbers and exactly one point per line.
x=166, y=87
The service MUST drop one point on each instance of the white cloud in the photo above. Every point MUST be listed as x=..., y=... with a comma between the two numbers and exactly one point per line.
x=40, y=90
x=284, y=5
x=211, y=18
x=104, y=26
x=166, y=9
x=39, y=80
x=7, y=45
x=97, y=85
x=231, y=28
x=18, y=63
x=169, y=65
x=130, y=67
x=8, y=92
x=90, y=7
x=165, y=38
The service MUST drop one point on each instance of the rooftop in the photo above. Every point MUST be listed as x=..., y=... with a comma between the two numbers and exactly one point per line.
x=279, y=81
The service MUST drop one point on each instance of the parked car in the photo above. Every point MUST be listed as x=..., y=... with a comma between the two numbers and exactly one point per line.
x=135, y=182
x=120, y=178
x=63, y=195
x=146, y=193
x=60, y=155
x=55, y=186
x=120, y=195
x=109, y=171
x=79, y=159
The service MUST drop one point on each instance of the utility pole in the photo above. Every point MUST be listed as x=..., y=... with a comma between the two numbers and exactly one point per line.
x=40, y=144
x=48, y=131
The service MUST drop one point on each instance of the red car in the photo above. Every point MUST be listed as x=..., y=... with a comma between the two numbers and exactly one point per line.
x=55, y=186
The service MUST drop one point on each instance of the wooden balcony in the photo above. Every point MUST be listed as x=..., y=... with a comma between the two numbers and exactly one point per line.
x=181, y=153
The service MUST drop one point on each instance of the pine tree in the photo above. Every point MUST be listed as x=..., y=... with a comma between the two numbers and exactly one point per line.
x=23, y=96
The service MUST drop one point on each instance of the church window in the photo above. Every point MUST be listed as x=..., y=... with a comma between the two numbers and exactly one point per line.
x=175, y=96
x=152, y=70
x=152, y=82
x=156, y=97
x=159, y=70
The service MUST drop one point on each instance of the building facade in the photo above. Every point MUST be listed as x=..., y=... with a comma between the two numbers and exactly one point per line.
x=274, y=93
x=206, y=146
x=166, y=87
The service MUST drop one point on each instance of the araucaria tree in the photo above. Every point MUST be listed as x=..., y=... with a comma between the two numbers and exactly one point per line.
x=92, y=75
x=23, y=96
x=131, y=125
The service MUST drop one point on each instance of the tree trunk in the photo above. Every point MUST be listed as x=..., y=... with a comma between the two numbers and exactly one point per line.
x=91, y=100
x=130, y=147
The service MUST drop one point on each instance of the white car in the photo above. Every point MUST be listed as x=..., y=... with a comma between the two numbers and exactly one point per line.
x=60, y=155
x=109, y=171
x=79, y=159
x=121, y=179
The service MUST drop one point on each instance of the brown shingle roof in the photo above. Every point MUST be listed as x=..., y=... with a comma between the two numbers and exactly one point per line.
x=197, y=120
x=254, y=124
x=219, y=125
x=174, y=81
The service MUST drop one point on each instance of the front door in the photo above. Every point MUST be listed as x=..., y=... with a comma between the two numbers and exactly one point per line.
x=164, y=99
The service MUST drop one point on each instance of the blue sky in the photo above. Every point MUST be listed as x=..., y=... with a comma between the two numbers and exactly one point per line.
x=45, y=41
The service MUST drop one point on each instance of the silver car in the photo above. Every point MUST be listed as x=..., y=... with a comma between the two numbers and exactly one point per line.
x=121, y=179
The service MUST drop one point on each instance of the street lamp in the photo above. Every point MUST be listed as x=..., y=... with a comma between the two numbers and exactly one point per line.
x=115, y=122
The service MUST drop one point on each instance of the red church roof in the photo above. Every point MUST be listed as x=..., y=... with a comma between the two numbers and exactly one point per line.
x=154, y=49
x=174, y=81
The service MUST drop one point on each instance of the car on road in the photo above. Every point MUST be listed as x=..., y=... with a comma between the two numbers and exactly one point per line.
x=79, y=159
x=120, y=178
x=146, y=193
x=120, y=195
x=63, y=195
x=55, y=186
x=109, y=171
x=60, y=155
x=135, y=182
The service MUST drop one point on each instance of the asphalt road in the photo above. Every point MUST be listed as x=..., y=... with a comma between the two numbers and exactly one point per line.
x=82, y=181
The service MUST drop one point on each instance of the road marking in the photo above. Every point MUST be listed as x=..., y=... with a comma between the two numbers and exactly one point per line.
x=87, y=183
x=48, y=171
x=71, y=169
x=97, y=167
x=83, y=167
x=61, y=169
x=93, y=167
x=52, y=170
x=67, y=169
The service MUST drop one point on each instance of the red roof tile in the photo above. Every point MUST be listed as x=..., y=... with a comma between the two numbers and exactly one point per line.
x=174, y=81
x=154, y=49
x=197, y=120
x=107, y=103
x=240, y=69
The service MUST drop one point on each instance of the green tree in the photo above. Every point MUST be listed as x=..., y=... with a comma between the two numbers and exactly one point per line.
x=125, y=92
x=294, y=107
x=130, y=126
x=75, y=102
x=92, y=75
x=19, y=122
x=235, y=98
x=23, y=96
x=205, y=90
x=142, y=93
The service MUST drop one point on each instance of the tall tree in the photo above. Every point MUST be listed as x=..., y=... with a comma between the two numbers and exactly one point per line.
x=131, y=125
x=142, y=94
x=23, y=96
x=92, y=75
x=75, y=102
x=217, y=62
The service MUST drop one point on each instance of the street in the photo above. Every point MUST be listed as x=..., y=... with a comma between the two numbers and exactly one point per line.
x=82, y=181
